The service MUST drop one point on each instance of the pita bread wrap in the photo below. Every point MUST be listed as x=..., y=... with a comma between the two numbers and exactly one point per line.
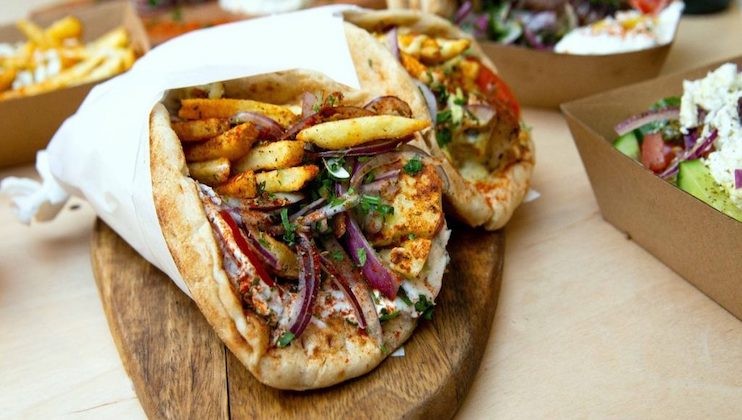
x=330, y=350
x=488, y=184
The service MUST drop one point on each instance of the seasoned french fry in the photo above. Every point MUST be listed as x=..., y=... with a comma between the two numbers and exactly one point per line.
x=242, y=185
x=354, y=131
x=287, y=260
x=67, y=27
x=273, y=155
x=112, y=39
x=197, y=130
x=286, y=180
x=112, y=64
x=6, y=78
x=414, y=67
x=198, y=108
x=232, y=144
x=431, y=50
x=33, y=32
x=210, y=172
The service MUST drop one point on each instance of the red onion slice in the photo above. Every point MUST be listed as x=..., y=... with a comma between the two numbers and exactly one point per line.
x=430, y=99
x=367, y=149
x=378, y=161
x=354, y=287
x=275, y=201
x=389, y=105
x=245, y=248
x=347, y=202
x=309, y=207
x=309, y=280
x=377, y=275
x=483, y=113
x=639, y=120
x=393, y=42
x=268, y=129
x=463, y=12
x=696, y=152
x=738, y=178
x=307, y=104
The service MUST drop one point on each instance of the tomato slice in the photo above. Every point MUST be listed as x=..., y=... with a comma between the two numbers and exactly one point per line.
x=245, y=248
x=649, y=6
x=656, y=155
x=497, y=91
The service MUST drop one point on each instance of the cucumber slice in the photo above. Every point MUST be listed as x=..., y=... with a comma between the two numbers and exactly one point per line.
x=695, y=178
x=628, y=144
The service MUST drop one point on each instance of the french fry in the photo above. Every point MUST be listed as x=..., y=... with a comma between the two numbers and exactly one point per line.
x=197, y=130
x=414, y=67
x=67, y=27
x=273, y=155
x=432, y=50
x=287, y=259
x=198, y=108
x=286, y=180
x=115, y=38
x=354, y=131
x=112, y=64
x=33, y=32
x=6, y=78
x=210, y=172
x=242, y=185
x=232, y=144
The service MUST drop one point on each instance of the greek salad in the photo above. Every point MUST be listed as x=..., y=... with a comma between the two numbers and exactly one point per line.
x=694, y=141
x=573, y=26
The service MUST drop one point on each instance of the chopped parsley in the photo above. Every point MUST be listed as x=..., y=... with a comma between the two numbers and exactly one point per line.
x=289, y=234
x=413, y=166
x=384, y=349
x=372, y=203
x=443, y=116
x=402, y=295
x=285, y=339
x=424, y=307
x=443, y=136
x=337, y=255
x=370, y=63
x=386, y=315
x=361, y=255
x=261, y=188
x=411, y=236
x=370, y=177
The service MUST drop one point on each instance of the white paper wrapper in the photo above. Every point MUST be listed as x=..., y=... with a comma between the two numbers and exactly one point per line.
x=102, y=152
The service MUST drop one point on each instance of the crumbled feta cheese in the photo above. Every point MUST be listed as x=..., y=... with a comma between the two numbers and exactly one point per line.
x=718, y=96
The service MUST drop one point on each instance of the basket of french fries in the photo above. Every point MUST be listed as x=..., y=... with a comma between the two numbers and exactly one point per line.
x=49, y=63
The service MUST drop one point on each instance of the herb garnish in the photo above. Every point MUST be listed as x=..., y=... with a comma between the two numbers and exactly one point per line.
x=336, y=255
x=372, y=203
x=289, y=234
x=402, y=295
x=413, y=166
x=285, y=339
x=424, y=308
x=361, y=255
x=386, y=315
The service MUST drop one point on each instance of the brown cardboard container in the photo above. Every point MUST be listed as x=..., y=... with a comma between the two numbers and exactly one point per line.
x=546, y=79
x=701, y=244
x=28, y=123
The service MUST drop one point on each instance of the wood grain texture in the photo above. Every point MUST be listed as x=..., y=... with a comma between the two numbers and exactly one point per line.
x=168, y=349
x=180, y=370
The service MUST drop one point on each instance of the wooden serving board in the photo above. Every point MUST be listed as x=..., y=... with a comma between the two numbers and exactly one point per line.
x=180, y=368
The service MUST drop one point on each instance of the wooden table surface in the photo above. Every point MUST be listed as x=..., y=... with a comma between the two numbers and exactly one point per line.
x=588, y=323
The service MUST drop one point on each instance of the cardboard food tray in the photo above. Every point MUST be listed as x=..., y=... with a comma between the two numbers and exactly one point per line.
x=546, y=79
x=29, y=123
x=698, y=242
